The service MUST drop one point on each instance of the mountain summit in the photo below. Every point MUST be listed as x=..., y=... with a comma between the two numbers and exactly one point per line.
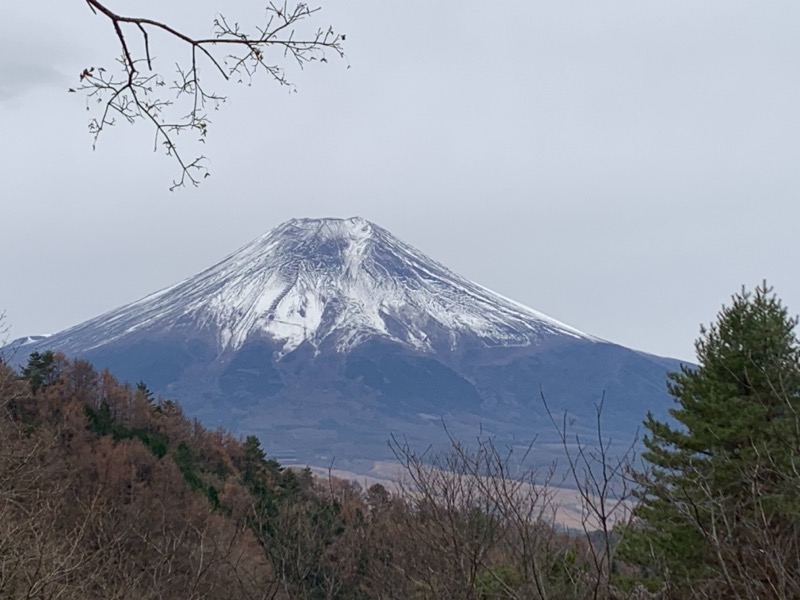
x=325, y=336
x=309, y=279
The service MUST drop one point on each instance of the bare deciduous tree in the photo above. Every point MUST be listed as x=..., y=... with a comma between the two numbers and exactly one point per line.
x=480, y=524
x=603, y=483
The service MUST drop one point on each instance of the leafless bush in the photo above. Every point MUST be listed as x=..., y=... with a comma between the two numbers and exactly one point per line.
x=603, y=482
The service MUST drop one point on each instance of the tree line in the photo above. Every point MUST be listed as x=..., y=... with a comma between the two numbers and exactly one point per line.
x=108, y=492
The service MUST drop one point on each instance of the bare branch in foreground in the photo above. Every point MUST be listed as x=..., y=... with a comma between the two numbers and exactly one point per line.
x=179, y=104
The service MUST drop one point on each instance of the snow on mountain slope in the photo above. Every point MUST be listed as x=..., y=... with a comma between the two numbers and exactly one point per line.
x=308, y=279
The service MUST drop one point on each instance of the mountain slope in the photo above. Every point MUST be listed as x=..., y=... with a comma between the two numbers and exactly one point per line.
x=310, y=278
x=326, y=335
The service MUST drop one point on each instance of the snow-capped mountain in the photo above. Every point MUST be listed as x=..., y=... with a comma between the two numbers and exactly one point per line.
x=309, y=279
x=325, y=336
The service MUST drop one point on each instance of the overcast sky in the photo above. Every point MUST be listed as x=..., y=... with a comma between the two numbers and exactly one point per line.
x=623, y=166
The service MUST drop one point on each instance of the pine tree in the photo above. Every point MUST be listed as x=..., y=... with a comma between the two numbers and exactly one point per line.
x=723, y=491
x=41, y=371
x=142, y=388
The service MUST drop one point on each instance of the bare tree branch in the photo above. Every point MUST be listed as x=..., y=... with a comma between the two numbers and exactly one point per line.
x=139, y=91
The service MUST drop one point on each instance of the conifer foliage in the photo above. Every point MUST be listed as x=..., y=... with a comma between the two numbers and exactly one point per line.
x=719, y=505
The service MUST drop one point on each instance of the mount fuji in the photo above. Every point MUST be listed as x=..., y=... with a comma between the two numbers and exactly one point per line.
x=326, y=336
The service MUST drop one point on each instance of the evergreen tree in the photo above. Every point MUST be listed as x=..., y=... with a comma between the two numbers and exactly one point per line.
x=41, y=370
x=142, y=388
x=724, y=475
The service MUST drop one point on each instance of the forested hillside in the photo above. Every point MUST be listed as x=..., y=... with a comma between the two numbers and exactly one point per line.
x=109, y=493
x=106, y=492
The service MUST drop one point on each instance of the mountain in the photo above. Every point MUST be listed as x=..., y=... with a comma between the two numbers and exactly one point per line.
x=325, y=336
x=31, y=339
